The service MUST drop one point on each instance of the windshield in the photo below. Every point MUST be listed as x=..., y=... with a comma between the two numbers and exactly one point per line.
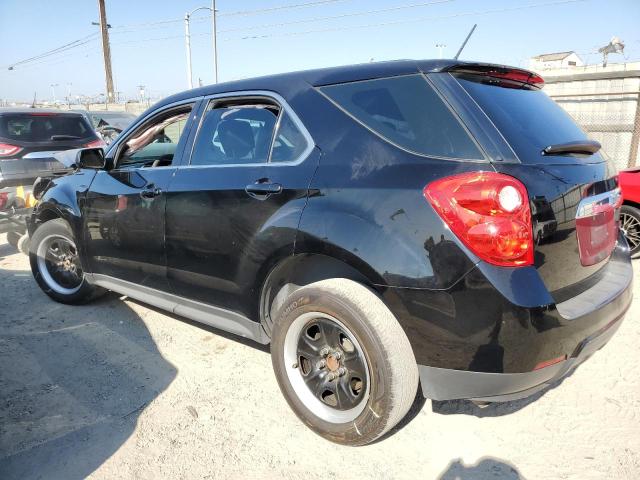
x=528, y=119
x=42, y=127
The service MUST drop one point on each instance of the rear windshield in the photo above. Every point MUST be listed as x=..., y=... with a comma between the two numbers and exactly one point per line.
x=407, y=112
x=26, y=127
x=528, y=119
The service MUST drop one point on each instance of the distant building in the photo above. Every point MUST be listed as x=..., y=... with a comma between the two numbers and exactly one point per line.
x=555, y=60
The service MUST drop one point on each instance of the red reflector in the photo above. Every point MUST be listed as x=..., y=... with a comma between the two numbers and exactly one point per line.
x=4, y=197
x=95, y=144
x=7, y=149
x=489, y=212
x=548, y=363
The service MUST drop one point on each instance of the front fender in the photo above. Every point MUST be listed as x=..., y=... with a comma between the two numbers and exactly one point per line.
x=63, y=199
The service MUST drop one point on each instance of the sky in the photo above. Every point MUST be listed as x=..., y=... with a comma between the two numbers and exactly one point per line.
x=259, y=37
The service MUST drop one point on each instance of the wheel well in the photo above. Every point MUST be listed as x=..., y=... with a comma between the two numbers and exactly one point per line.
x=296, y=272
x=631, y=204
x=47, y=215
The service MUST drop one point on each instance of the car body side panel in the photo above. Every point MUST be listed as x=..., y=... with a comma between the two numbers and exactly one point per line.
x=366, y=206
x=64, y=198
x=630, y=185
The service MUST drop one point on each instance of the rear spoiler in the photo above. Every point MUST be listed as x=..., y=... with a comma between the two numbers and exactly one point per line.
x=497, y=71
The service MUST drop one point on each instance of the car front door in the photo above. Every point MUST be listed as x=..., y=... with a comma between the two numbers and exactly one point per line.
x=237, y=203
x=125, y=207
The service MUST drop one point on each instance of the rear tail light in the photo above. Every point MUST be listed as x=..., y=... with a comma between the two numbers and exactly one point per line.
x=4, y=198
x=489, y=212
x=95, y=144
x=7, y=149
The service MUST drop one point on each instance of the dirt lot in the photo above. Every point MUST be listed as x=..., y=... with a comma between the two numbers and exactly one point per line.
x=119, y=390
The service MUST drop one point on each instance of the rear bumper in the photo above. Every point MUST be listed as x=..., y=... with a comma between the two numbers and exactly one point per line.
x=489, y=336
x=447, y=384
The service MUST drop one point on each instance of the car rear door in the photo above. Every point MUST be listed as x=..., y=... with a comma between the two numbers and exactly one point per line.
x=237, y=203
x=124, y=210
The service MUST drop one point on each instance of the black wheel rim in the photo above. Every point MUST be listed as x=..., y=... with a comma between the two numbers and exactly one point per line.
x=333, y=369
x=60, y=265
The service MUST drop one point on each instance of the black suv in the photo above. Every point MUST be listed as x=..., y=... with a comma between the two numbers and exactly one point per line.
x=378, y=225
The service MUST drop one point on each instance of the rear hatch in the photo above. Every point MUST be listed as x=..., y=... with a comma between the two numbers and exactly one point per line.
x=572, y=187
x=27, y=137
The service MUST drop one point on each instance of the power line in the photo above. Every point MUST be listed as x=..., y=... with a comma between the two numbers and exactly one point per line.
x=399, y=22
x=278, y=8
x=336, y=17
x=67, y=46
x=163, y=23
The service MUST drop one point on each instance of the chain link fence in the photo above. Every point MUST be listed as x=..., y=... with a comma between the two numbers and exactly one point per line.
x=608, y=110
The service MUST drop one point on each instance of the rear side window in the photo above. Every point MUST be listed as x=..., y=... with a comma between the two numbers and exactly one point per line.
x=238, y=133
x=407, y=112
x=44, y=127
x=528, y=119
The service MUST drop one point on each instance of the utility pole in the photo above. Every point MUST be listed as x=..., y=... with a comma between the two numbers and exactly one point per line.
x=440, y=46
x=53, y=92
x=214, y=38
x=106, y=50
x=187, y=41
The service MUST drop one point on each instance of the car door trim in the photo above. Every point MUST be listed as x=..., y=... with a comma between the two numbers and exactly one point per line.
x=217, y=317
x=257, y=94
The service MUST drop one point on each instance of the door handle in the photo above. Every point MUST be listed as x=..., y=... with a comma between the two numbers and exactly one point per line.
x=263, y=189
x=150, y=191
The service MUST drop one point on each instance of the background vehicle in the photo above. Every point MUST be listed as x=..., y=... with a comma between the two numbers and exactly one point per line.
x=377, y=224
x=29, y=136
x=630, y=214
x=110, y=124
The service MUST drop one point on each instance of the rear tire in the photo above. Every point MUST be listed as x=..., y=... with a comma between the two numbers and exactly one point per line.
x=56, y=266
x=630, y=224
x=360, y=377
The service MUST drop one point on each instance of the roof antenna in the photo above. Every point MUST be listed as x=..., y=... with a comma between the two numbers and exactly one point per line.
x=465, y=41
x=33, y=104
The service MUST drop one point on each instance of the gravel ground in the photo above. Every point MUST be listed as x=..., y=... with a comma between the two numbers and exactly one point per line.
x=118, y=390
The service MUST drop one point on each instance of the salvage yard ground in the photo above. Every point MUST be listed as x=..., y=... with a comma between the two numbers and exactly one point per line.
x=116, y=389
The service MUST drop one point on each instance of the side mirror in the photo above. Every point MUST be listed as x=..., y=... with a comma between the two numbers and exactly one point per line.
x=91, y=158
x=82, y=158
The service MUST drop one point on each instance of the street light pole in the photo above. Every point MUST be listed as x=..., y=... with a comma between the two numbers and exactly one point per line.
x=53, y=91
x=214, y=41
x=187, y=42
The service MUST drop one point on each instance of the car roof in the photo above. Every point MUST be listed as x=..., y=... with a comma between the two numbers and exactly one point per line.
x=328, y=76
x=28, y=110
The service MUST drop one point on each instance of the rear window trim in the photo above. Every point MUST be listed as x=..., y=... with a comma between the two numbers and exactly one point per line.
x=455, y=115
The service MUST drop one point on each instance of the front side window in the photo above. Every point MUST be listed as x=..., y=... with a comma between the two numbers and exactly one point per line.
x=408, y=112
x=247, y=132
x=155, y=143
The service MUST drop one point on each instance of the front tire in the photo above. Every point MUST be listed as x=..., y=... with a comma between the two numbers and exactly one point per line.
x=55, y=264
x=342, y=361
x=630, y=224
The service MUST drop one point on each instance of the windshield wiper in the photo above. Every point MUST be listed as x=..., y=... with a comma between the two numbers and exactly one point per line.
x=580, y=147
x=65, y=137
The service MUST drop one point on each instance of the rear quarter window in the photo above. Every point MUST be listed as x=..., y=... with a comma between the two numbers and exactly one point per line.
x=407, y=112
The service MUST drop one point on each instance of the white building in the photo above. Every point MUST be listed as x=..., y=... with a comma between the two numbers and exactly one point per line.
x=555, y=60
